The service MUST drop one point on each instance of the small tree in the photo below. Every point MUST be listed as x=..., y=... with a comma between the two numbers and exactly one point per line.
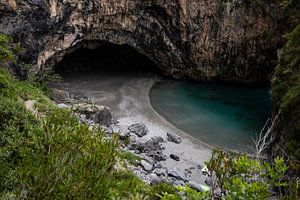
x=240, y=177
x=265, y=137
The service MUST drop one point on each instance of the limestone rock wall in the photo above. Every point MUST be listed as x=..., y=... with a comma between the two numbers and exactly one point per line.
x=230, y=40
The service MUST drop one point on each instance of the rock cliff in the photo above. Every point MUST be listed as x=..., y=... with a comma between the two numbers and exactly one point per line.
x=231, y=40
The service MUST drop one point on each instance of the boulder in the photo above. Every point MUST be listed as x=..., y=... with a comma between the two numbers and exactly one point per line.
x=98, y=114
x=157, y=156
x=161, y=171
x=59, y=96
x=157, y=139
x=174, y=157
x=173, y=138
x=137, y=152
x=63, y=106
x=154, y=179
x=196, y=186
x=178, y=174
x=147, y=166
x=123, y=135
x=139, y=129
x=152, y=148
x=158, y=165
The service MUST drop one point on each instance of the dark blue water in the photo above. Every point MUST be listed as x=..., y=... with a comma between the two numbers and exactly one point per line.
x=226, y=116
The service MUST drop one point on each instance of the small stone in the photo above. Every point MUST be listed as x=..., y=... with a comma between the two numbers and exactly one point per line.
x=195, y=186
x=154, y=179
x=108, y=130
x=137, y=151
x=131, y=139
x=89, y=122
x=63, y=106
x=123, y=135
x=157, y=139
x=188, y=171
x=174, y=157
x=173, y=138
x=161, y=171
x=147, y=166
x=157, y=157
x=114, y=121
x=208, y=182
x=205, y=171
x=158, y=165
x=139, y=129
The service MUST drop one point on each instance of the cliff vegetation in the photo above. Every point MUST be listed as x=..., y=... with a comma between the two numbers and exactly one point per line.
x=46, y=153
x=286, y=86
x=286, y=92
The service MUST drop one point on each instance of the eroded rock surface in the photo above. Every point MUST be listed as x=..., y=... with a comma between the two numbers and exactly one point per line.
x=96, y=113
x=199, y=39
x=139, y=129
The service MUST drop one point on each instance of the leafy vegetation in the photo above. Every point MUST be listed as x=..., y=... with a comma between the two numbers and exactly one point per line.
x=242, y=177
x=235, y=176
x=286, y=92
x=130, y=157
x=6, y=53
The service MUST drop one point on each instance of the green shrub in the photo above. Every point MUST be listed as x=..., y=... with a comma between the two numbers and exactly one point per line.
x=286, y=91
x=126, y=185
x=6, y=53
x=72, y=161
x=17, y=129
x=130, y=157
x=244, y=178
x=164, y=189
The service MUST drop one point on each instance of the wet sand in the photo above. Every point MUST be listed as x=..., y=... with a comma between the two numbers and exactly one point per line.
x=128, y=97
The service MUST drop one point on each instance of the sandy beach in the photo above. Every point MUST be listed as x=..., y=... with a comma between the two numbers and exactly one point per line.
x=127, y=95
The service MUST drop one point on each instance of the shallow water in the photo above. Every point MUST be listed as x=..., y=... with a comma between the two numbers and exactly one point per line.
x=226, y=116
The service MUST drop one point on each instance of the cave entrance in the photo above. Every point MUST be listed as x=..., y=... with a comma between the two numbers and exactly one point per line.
x=105, y=56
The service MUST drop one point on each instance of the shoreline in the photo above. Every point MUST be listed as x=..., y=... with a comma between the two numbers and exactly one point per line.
x=180, y=132
x=129, y=100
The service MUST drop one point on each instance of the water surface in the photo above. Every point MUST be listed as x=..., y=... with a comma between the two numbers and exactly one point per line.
x=226, y=116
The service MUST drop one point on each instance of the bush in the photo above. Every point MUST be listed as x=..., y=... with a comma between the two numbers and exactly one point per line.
x=130, y=157
x=240, y=177
x=164, y=189
x=71, y=161
x=17, y=129
x=286, y=91
x=6, y=53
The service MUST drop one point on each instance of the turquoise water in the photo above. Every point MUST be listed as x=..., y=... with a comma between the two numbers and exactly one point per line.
x=226, y=116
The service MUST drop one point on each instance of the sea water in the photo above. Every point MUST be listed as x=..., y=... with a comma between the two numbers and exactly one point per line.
x=226, y=116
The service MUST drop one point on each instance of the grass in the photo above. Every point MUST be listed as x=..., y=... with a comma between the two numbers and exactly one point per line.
x=130, y=157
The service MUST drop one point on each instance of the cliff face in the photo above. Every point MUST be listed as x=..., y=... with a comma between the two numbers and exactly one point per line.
x=198, y=39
